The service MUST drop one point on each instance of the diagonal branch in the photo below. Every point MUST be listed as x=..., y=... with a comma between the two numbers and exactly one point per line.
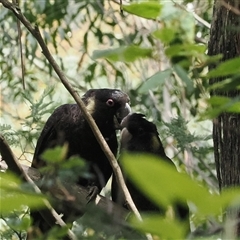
x=229, y=7
x=9, y=158
x=36, y=33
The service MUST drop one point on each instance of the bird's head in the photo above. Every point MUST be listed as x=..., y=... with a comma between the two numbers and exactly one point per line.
x=107, y=103
x=140, y=135
x=136, y=126
x=136, y=123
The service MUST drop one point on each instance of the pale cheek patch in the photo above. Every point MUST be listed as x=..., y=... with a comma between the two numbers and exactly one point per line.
x=155, y=143
x=91, y=106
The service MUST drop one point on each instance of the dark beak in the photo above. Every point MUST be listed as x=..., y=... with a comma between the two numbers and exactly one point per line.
x=121, y=113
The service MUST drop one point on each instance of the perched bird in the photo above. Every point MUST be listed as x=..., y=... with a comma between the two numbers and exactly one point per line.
x=138, y=135
x=141, y=136
x=68, y=125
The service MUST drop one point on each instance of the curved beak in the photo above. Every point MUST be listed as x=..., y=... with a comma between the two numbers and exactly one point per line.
x=121, y=114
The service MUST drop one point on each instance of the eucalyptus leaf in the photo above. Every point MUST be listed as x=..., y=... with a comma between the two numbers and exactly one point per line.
x=16, y=200
x=185, y=50
x=184, y=77
x=155, y=81
x=163, y=227
x=19, y=224
x=123, y=54
x=221, y=104
x=145, y=9
x=165, y=185
x=226, y=68
x=166, y=35
x=12, y=196
x=56, y=154
x=218, y=100
x=227, y=84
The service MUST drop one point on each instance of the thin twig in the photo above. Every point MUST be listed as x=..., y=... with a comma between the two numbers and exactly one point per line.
x=36, y=33
x=16, y=2
x=198, y=18
x=230, y=7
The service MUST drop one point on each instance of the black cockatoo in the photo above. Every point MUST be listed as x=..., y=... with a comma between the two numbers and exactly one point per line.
x=141, y=136
x=67, y=125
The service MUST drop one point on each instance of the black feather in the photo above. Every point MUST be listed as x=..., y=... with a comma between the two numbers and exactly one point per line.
x=141, y=136
x=67, y=124
x=138, y=136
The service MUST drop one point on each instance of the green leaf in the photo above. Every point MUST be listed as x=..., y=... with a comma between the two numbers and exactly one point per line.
x=8, y=180
x=234, y=107
x=162, y=183
x=164, y=227
x=19, y=224
x=226, y=85
x=184, y=77
x=180, y=20
x=123, y=54
x=187, y=25
x=218, y=101
x=230, y=196
x=220, y=104
x=185, y=50
x=149, y=10
x=72, y=169
x=165, y=35
x=226, y=68
x=12, y=197
x=56, y=154
x=155, y=81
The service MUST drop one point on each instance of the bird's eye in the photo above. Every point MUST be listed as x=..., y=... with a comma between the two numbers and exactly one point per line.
x=110, y=102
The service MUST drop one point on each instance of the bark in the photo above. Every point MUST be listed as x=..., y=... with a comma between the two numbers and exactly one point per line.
x=225, y=40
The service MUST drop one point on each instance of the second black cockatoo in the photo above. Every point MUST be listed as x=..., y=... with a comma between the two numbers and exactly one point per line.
x=68, y=125
x=138, y=135
x=141, y=136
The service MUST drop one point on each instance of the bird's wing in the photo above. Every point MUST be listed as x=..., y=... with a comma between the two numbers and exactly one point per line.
x=51, y=133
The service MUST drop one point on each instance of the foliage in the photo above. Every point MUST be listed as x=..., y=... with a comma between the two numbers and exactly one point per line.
x=155, y=51
x=150, y=173
x=10, y=191
x=56, y=167
x=16, y=198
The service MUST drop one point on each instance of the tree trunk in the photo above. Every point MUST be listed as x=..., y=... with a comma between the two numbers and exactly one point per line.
x=225, y=40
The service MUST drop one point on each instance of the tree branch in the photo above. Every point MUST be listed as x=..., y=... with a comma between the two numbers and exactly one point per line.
x=77, y=197
x=9, y=158
x=229, y=7
x=36, y=33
